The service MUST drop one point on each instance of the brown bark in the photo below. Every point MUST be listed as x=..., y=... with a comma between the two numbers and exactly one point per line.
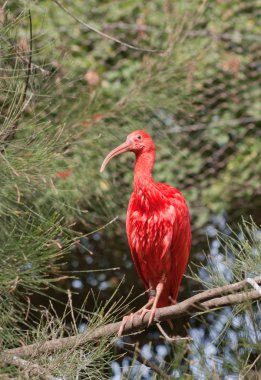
x=206, y=301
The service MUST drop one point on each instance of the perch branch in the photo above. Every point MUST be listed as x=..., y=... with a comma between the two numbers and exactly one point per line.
x=206, y=301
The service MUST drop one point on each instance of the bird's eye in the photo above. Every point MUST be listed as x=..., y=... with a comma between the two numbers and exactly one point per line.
x=139, y=137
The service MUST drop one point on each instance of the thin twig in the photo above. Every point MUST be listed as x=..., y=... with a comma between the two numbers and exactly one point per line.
x=71, y=309
x=98, y=229
x=252, y=365
x=254, y=284
x=194, y=33
x=171, y=338
x=104, y=35
x=29, y=66
x=4, y=5
x=207, y=301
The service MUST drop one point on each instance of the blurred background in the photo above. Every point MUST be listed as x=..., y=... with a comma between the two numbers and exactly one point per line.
x=191, y=79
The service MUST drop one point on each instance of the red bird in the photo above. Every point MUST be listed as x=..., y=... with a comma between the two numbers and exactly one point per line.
x=158, y=226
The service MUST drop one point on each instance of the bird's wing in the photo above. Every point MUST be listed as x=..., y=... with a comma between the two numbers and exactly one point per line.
x=180, y=244
x=134, y=253
x=136, y=260
x=180, y=249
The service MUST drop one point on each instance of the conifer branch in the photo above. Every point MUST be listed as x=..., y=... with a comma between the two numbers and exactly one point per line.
x=31, y=369
x=206, y=301
x=10, y=134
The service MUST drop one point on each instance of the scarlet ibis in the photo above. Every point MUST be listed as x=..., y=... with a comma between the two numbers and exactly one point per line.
x=157, y=224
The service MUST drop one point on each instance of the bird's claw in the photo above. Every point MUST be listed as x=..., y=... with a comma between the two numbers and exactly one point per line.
x=144, y=311
x=141, y=314
x=152, y=315
x=124, y=322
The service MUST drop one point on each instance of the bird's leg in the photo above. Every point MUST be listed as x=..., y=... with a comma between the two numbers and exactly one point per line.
x=141, y=312
x=124, y=322
x=159, y=289
x=144, y=308
x=153, y=301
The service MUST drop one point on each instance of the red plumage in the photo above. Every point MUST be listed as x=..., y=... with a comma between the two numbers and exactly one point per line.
x=158, y=224
x=158, y=230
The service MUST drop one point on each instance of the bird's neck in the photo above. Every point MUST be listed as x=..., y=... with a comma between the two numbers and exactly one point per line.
x=143, y=169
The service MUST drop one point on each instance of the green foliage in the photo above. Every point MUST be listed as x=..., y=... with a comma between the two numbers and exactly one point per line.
x=199, y=99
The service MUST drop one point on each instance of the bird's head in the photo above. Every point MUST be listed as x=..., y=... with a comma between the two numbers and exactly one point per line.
x=137, y=142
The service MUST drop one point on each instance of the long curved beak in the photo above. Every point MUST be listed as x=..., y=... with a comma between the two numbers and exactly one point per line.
x=125, y=147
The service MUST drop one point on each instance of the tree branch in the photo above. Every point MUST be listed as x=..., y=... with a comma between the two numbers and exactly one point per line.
x=206, y=301
x=104, y=35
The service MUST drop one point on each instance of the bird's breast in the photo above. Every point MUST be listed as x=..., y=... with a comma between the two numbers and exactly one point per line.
x=150, y=229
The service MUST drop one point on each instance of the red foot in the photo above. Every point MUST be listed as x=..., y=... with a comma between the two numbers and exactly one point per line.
x=152, y=315
x=143, y=312
x=124, y=322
